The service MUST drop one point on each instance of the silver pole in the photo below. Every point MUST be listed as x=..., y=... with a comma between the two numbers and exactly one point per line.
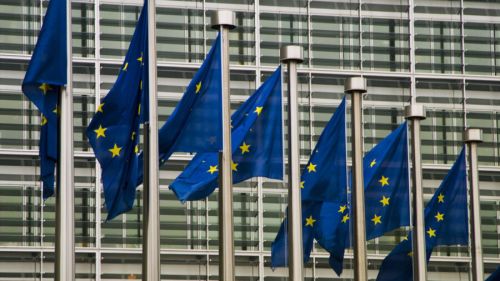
x=473, y=137
x=356, y=86
x=224, y=21
x=415, y=113
x=65, y=204
x=292, y=55
x=151, y=193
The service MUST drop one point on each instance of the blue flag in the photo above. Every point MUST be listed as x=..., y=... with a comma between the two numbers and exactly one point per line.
x=324, y=195
x=257, y=145
x=446, y=223
x=386, y=183
x=196, y=123
x=114, y=130
x=46, y=75
x=495, y=276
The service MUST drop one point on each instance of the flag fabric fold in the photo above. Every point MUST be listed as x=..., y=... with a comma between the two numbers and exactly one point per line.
x=114, y=130
x=446, y=223
x=257, y=145
x=323, y=193
x=42, y=84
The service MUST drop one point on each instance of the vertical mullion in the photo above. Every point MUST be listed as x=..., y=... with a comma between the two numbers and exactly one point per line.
x=98, y=201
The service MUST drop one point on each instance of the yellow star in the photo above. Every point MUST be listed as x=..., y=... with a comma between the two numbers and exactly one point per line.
x=405, y=238
x=245, y=148
x=345, y=218
x=212, y=169
x=410, y=254
x=384, y=201
x=115, y=151
x=439, y=217
x=133, y=136
x=44, y=120
x=140, y=85
x=100, y=132
x=45, y=87
x=125, y=67
x=302, y=184
x=136, y=149
x=198, y=87
x=440, y=198
x=99, y=108
x=342, y=209
x=373, y=163
x=310, y=221
x=376, y=219
x=258, y=110
x=56, y=110
x=384, y=181
x=431, y=232
x=311, y=167
x=140, y=59
x=234, y=166
x=139, y=110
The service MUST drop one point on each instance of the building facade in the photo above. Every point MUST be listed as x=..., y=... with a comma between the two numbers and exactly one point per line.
x=444, y=54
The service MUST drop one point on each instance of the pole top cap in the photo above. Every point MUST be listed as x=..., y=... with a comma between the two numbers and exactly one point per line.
x=223, y=18
x=355, y=84
x=473, y=135
x=292, y=53
x=415, y=111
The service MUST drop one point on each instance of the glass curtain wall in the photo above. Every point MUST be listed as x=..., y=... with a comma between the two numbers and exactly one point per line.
x=442, y=53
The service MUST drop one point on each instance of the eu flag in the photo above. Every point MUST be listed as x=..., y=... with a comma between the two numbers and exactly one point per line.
x=196, y=123
x=257, y=145
x=386, y=183
x=446, y=223
x=114, y=129
x=46, y=75
x=323, y=187
x=386, y=180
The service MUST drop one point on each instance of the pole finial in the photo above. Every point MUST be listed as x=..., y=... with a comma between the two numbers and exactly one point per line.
x=223, y=18
x=473, y=135
x=355, y=84
x=292, y=53
x=415, y=111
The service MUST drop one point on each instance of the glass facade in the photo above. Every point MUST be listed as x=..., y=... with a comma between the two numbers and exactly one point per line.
x=442, y=53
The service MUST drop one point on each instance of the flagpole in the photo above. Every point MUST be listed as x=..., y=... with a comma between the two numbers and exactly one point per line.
x=415, y=113
x=224, y=21
x=151, y=193
x=356, y=86
x=292, y=55
x=473, y=137
x=65, y=206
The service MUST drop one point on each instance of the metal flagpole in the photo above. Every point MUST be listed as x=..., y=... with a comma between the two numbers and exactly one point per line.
x=356, y=86
x=151, y=193
x=224, y=21
x=65, y=205
x=473, y=137
x=415, y=113
x=292, y=55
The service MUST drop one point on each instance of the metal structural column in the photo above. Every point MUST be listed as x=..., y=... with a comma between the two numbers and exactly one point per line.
x=65, y=202
x=415, y=113
x=224, y=21
x=356, y=86
x=292, y=55
x=473, y=137
x=151, y=192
